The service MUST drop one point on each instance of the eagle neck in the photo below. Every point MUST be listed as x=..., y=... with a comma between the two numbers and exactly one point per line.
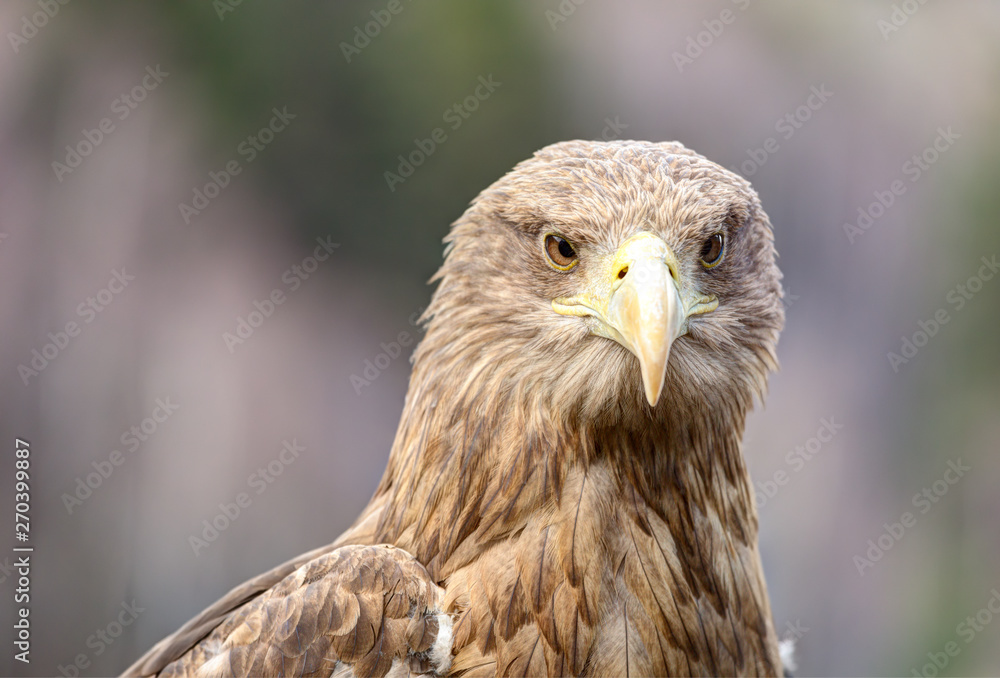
x=464, y=472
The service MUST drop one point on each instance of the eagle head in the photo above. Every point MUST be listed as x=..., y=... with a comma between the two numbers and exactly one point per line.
x=613, y=279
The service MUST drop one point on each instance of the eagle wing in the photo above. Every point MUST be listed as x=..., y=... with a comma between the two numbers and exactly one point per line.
x=355, y=610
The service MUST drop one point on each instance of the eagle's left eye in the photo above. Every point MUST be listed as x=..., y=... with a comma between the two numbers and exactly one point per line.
x=712, y=250
x=561, y=254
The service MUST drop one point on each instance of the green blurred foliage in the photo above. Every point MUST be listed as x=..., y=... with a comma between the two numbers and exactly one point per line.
x=356, y=117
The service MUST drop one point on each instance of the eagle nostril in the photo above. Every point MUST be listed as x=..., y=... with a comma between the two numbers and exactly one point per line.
x=622, y=273
x=673, y=272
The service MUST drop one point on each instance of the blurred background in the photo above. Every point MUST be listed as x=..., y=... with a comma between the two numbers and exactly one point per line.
x=197, y=150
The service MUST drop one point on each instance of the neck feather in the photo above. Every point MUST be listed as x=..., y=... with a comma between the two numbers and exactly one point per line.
x=474, y=460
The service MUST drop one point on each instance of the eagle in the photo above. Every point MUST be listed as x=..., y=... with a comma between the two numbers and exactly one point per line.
x=566, y=493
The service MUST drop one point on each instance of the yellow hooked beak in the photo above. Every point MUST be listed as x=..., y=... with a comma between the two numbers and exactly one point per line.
x=635, y=298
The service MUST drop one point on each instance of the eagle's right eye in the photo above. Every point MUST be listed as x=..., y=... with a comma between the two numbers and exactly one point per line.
x=712, y=250
x=561, y=254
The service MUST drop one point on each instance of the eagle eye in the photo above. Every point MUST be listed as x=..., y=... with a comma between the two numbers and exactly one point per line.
x=712, y=250
x=561, y=254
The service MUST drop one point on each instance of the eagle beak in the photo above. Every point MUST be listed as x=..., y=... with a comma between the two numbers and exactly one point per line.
x=645, y=307
x=636, y=301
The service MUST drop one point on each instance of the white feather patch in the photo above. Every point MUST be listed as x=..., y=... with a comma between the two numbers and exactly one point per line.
x=440, y=654
x=786, y=649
